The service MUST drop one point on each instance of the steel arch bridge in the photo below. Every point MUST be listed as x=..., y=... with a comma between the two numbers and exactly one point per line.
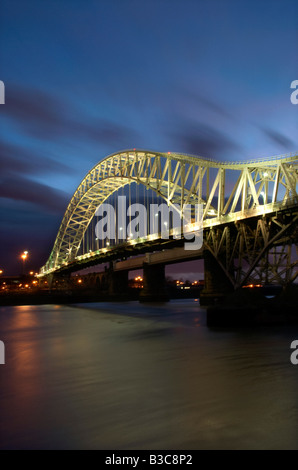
x=233, y=195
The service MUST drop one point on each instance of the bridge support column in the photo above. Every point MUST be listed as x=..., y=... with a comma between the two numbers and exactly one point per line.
x=117, y=284
x=61, y=282
x=50, y=281
x=154, y=284
x=217, y=285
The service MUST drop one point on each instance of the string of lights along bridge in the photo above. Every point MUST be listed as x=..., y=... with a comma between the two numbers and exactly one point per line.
x=249, y=215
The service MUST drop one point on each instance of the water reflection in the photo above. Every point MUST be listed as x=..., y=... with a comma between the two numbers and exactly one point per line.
x=120, y=376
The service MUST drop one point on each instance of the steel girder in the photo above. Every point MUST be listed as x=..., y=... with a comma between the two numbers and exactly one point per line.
x=229, y=191
x=258, y=250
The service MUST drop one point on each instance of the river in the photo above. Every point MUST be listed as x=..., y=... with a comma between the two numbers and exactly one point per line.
x=134, y=376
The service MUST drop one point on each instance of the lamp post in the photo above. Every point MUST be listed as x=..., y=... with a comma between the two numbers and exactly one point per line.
x=24, y=256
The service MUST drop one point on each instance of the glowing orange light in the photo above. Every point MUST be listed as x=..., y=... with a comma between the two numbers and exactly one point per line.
x=24, y=256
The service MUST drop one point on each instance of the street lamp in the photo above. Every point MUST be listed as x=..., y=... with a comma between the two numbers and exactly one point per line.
x=24, y=256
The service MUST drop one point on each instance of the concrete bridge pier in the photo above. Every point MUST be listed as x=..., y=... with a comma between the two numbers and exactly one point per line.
x=217, y=284
x=60, y=282
x=50, y=281
x=117, y=284
x=154, y=284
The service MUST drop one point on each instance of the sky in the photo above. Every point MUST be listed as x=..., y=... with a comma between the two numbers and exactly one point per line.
x=88, y=78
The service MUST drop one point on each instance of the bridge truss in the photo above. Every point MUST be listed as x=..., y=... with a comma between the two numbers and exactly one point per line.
x=249, y=208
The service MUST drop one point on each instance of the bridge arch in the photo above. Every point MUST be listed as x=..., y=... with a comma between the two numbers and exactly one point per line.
x=108, y=176
x=178, y=179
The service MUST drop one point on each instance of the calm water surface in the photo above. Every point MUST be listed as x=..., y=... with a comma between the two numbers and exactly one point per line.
x=131, y=376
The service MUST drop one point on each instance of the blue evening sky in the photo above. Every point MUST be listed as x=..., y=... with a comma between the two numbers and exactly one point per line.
x=86, y=78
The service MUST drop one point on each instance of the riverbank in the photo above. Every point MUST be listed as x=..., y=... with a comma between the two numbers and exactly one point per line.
x=50, y=297
x=252, y=307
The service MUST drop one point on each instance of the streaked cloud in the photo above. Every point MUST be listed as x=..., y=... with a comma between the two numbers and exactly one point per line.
x=18, y=188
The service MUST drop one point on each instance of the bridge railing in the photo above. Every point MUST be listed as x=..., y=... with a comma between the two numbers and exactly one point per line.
x=239, y=162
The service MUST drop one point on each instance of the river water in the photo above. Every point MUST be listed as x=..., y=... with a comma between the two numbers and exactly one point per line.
x=133, y=376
